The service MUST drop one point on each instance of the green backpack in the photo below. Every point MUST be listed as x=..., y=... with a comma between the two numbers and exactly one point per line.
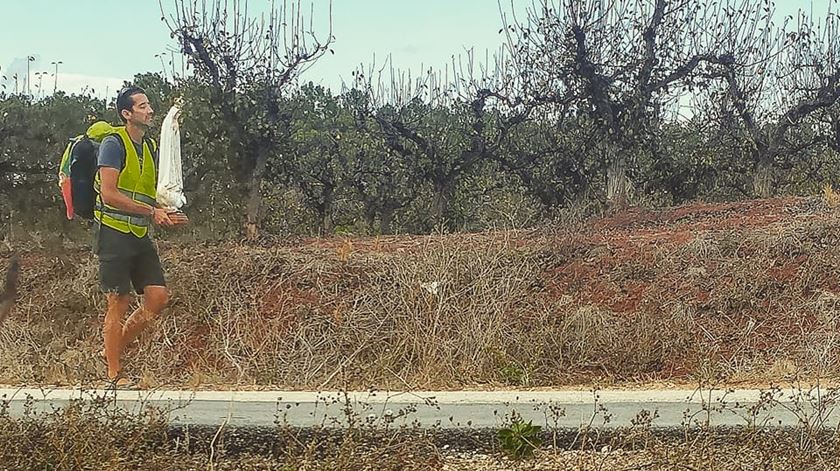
x=77, y=170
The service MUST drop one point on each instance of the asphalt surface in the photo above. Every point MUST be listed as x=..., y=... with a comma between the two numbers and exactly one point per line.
x=452, y=409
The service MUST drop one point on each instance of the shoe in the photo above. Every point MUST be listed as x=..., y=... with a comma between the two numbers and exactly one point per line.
x=122, y=383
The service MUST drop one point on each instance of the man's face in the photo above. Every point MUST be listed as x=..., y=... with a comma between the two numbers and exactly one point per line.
x=141, y=113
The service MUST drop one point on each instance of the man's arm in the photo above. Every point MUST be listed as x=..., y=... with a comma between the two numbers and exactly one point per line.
x=112, y=196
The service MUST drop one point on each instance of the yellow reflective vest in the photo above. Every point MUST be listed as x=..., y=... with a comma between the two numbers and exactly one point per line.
x=140, y=186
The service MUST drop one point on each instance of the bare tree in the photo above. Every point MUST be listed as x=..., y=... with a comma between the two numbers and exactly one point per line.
x=383, y=179
x=248, y=61
x=622, y=63
x=832, y=122
x=775, y=85
x=448, y=122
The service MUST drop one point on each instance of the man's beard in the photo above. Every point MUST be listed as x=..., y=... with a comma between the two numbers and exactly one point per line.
x=142, y=126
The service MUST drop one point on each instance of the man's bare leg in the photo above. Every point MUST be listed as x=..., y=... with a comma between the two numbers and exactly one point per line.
x=112, y=331
x=155, y=299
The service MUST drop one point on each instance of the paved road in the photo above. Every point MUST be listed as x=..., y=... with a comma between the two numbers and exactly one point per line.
x=606, y=408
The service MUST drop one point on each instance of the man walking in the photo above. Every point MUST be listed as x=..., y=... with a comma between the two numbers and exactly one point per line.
x=125, y=209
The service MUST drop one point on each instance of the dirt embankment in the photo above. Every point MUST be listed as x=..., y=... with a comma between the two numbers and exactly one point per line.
x=723, y=292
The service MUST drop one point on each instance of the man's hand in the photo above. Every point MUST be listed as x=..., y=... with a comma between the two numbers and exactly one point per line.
x=178, y=218
x=161, y=218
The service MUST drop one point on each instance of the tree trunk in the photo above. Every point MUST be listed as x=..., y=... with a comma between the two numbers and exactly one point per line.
x=387, y=220
x=252, y=214
x=763, y=178
x=618, y=184
x=370, y=218
x=440, y=202
x=325, y=225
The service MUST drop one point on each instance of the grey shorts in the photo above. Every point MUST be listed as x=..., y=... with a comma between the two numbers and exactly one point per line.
x=126, y=261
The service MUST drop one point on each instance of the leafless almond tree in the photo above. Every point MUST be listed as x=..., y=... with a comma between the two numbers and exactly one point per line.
x=622, y=63
x=785, y=77
x=248, y=59
x=449, y=121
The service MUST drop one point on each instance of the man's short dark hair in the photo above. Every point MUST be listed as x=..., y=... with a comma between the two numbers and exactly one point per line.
x=125, y=100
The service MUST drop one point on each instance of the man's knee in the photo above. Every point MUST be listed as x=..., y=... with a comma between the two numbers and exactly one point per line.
x=117, y=306
x=155, y=298
x=112, y=321
x=118, y=303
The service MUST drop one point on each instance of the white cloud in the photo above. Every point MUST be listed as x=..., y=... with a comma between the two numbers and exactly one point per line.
x=42, y=79
x=99, y=86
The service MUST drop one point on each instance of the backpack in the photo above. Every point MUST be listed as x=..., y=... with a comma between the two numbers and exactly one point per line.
x=77, y=170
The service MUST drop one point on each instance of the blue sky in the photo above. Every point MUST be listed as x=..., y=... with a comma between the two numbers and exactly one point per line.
x=87, y=37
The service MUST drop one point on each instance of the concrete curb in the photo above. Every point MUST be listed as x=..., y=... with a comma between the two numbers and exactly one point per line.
x=448, y=409
x=683, y=396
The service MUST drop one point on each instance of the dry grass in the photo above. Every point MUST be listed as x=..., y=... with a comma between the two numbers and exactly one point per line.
x=96, y=435
x=748, y=291
x=831, y=197
x=446, y=315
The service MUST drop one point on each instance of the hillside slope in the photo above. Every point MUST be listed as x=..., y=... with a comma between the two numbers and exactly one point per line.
x=744, y=291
